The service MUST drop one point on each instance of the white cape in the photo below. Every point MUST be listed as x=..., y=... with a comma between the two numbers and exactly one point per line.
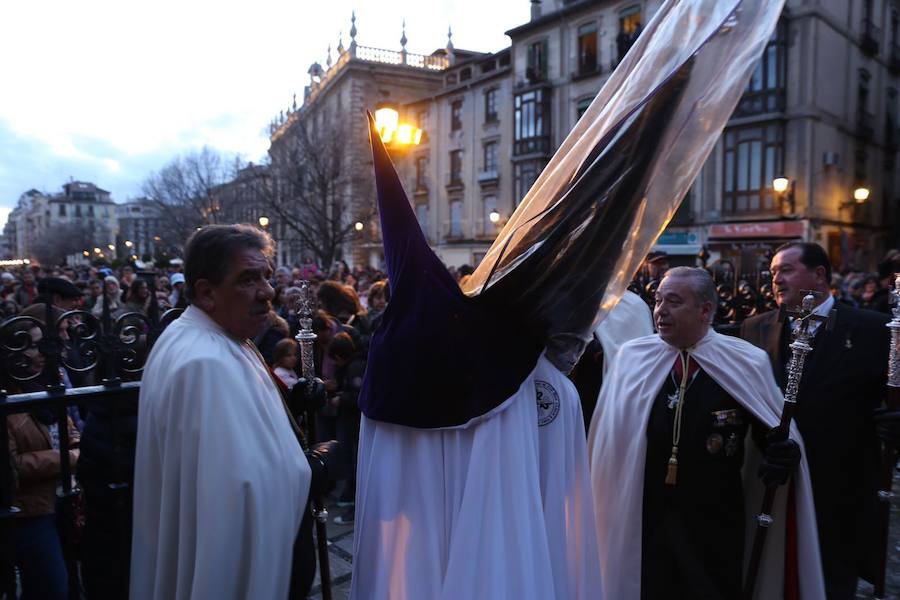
x=617, y=445
x=628, y=320
x=220, y=480
x=496, y=509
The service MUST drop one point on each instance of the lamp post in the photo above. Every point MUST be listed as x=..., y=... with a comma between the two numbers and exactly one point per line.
x=358, y=226
x=784, y=191
x=394, y=133
x=860, y=196
x=264, y=222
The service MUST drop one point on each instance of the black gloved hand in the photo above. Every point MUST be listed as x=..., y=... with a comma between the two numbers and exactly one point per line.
x=887, y=425
x=781, y=456
x=325, y=462
x=304, y=396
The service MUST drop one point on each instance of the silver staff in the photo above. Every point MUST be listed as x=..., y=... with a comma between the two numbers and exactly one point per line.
x=800, y=347
x=306, y=338
x=888, y=451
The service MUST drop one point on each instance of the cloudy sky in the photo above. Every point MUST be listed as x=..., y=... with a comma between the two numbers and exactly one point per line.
x=109, y=91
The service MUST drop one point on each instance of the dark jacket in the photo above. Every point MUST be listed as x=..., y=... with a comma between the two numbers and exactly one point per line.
x=843, y=382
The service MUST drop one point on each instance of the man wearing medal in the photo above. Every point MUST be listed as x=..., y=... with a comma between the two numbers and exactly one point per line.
x=681, y=454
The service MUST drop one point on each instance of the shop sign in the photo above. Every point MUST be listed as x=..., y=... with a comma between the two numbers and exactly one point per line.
x=765, y=229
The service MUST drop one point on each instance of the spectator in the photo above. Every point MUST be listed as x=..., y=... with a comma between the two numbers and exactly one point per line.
x=139, y=297
x=27, y=292
x=276, y=329
x=285, y=361
x=177, y=299
x=377, y=299
x=95, y=288
x=8, y=282
x=110, y=297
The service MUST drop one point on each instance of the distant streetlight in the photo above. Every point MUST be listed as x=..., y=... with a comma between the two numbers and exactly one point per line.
x=98, y=251
x=392, y=131
x=780, y=184
x=156, y=238
x=111, y=247
x=784, y=192
x=129, y=243
x=494, y=216
x=86, y=253
x=358, y=226
x=861, y=194
x=264, y=222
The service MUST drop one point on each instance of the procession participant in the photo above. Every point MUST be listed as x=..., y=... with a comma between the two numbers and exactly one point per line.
x=843, y=383
x=669, y=435
x=220, y=482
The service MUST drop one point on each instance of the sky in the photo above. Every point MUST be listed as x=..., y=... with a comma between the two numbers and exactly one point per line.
x=109, y=91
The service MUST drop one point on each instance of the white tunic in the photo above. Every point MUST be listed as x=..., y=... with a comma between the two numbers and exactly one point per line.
x=220, y=480
x=617, y=447
x=459, y=512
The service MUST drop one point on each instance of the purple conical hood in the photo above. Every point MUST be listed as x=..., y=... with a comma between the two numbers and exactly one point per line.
x=439, y=358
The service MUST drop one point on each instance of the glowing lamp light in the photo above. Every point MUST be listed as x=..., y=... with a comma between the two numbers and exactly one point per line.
x=494, y=216
x=264, y=221
x=386, y=120
x=861, y=194
x=110, y=246
x=358, y=226
x=97, y=251
x=780, y=184
x=86, y=253
x=129, y=243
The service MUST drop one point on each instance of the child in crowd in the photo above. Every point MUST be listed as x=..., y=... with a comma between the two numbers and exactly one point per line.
x=285, y=361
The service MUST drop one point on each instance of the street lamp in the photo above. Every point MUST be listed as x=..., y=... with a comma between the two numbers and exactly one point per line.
x=860, y=195
x=494, y=216
x=111, y=247
x=264, y=222
x=784, y=192
x=86, y=253
x=392, y=131
x=129, y=243
x=358, y=226
x=98, y=251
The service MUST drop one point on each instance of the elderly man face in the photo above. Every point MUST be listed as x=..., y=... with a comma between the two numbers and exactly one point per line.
x=242, y=301
x=682, y=317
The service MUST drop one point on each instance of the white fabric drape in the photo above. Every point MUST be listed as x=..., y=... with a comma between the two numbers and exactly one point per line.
x=460, y=513
x=617, y=446
x=220, y=480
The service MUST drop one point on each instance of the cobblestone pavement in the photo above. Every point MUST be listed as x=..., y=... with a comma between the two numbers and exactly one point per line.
x=341, y=557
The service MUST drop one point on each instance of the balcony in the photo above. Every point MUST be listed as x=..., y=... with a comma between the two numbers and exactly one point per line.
x=454, y=181
x=587, y=70
x=864, y=124
x=533, y=145
x=421, y=188
x=869, y=36
x=488, y=177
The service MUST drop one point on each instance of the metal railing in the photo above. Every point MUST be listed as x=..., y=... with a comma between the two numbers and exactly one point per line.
x=37, y=355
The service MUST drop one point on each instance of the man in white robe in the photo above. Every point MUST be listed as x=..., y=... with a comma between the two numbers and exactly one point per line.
x=221, y=482
x=629, y=405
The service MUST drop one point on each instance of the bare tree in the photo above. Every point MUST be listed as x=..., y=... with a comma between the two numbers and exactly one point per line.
x=314, y=189
x=183, y=190
x=62, y=239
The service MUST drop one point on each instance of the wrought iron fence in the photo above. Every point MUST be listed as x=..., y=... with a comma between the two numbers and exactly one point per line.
x=105, y=355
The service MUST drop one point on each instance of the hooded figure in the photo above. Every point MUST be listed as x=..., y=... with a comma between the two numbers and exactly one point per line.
x=460, y=492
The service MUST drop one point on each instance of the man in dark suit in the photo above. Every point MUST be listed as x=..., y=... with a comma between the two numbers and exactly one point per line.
x=843, y=384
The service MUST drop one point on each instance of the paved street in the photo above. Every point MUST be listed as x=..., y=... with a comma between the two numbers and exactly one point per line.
x=341, y=556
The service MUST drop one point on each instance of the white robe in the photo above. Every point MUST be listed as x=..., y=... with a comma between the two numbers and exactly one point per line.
x=220, y=480
x=628, y=320
x=617, y=446
x=459, y=512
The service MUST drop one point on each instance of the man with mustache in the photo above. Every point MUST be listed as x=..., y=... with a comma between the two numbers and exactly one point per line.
x=843, y=384
x=673, y=430
x=221, y=482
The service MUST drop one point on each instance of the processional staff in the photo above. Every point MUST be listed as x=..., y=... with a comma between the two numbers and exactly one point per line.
x=889, y=450
x=800, y=347
x=306, y=339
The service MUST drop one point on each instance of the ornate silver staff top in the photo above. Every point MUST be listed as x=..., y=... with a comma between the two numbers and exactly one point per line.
x=305, y=337
x=894, y=326
x=801, y=346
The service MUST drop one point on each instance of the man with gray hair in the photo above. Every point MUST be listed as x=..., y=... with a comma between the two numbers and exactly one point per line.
x=668, y=457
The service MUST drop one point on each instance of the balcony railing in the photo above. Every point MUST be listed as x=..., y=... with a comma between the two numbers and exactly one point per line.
x=869, y=36
x=865, y=124
x=532, y=145
x=454, y=180
x=488, y=176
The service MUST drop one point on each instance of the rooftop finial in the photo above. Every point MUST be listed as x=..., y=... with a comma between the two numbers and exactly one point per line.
x=449, y=38
x=403, y=39
x=340, y=47
x=353, y=31
x=328, y=58
x=294, y=105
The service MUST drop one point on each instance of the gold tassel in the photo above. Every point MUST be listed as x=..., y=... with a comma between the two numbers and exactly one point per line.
x=672, y=471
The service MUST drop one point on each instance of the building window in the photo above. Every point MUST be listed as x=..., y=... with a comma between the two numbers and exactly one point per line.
x=78, y=210
x=864, y=119
x=536, y=62
x=488, y=204
x=90, y=212
x=753, y=157
x=629, y=29
x=766, y=90
x=62, y=210
x=456, y=115
x=525, y=174
x=490, y=106
x=422, y=217
x=456, y=214
x=465, y=74
x=490, y=156
x=587, y=48
x=456, y=167
x=421, y=164
x=890, y=123
x=582, y=107
x=532, y=122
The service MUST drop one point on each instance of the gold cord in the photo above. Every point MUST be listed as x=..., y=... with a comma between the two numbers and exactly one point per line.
x=672, y=471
